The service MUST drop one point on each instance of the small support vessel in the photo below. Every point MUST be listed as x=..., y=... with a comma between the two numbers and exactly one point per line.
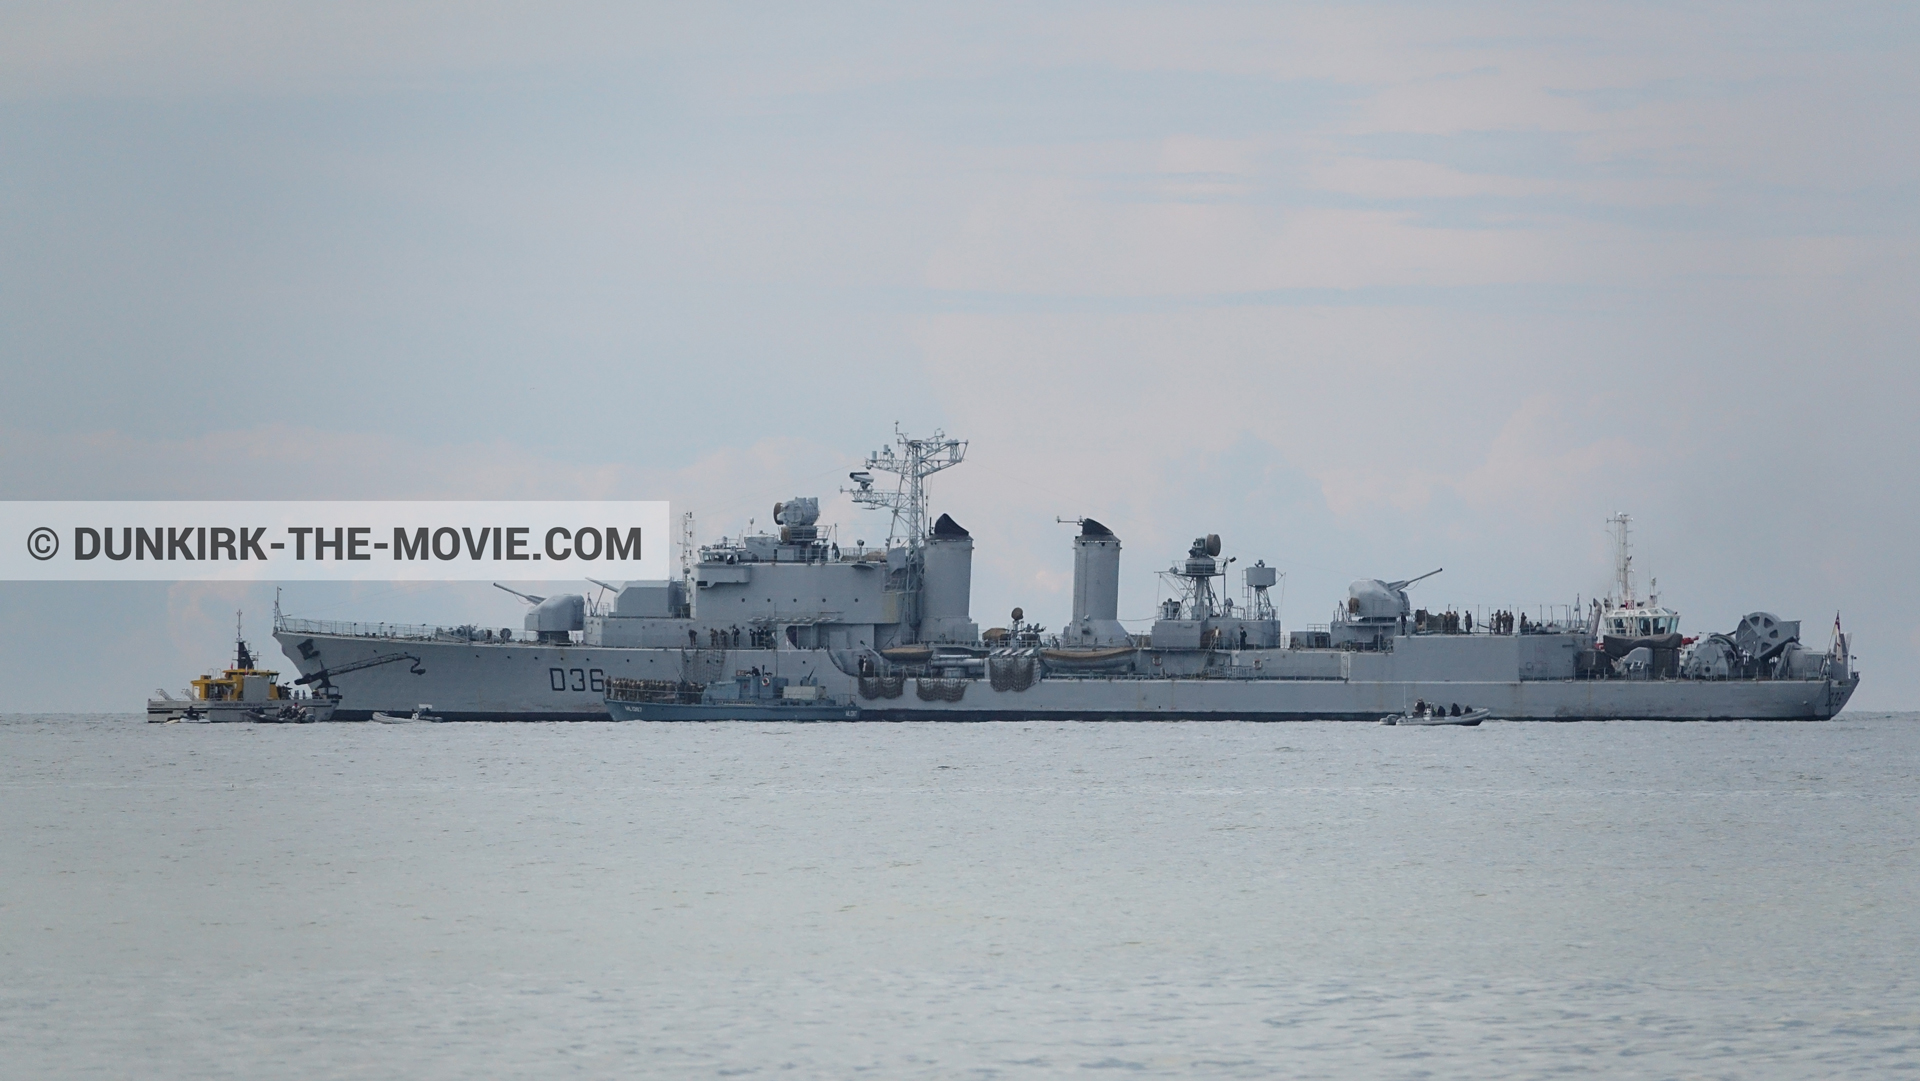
x=421, y=712
x=1422, y=713
x=239, y=693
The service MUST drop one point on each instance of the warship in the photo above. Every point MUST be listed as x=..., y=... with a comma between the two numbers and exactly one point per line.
x=788, y=625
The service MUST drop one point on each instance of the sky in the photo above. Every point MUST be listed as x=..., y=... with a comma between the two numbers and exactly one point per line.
x=1367, y=289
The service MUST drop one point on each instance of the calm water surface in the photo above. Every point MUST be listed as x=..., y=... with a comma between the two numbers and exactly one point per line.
x=994, y=901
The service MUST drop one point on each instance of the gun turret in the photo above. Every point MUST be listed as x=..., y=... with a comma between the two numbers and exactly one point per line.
x=553, y=618
x=1371, y=600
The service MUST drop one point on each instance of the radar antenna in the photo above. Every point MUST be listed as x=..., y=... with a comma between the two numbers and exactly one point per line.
x=916, y=460
x=1194, y=580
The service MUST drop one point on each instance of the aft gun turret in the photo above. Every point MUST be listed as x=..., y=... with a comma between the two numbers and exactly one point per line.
x=1376, y=611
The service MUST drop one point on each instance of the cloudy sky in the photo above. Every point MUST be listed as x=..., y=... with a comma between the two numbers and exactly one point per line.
x=1368, y=289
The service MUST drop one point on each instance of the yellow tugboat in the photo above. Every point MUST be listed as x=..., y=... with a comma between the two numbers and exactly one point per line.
x=240, y=693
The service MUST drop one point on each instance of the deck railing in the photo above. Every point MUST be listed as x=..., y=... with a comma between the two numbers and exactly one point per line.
x=411, y=631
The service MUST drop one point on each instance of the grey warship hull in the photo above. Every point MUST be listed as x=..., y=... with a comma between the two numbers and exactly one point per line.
x=537, y=682
x=470, y=681
x=886, y=634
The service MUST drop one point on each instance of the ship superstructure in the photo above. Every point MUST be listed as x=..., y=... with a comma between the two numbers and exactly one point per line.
x=783, y=622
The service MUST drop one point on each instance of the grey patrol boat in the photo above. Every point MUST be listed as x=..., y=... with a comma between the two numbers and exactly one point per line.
x=790, y=626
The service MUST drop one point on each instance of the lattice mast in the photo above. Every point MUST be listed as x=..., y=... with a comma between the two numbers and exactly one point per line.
x=913, y=463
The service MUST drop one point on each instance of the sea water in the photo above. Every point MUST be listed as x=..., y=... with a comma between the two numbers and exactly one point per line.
x=969, y=900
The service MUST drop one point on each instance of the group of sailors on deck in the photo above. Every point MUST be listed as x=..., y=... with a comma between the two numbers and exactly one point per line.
x=729, y=638
x=1448, y=622
x=1507, y=623
x=1452, y=622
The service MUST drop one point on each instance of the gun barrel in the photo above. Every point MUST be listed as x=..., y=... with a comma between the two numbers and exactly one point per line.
x=1410, y=581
